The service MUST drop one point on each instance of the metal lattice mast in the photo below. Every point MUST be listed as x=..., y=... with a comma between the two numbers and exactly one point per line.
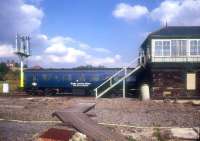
x=22, y=50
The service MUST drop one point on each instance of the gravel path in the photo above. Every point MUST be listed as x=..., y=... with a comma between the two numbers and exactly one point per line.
x=13, y=131
x=137, y=113
x=116, y=110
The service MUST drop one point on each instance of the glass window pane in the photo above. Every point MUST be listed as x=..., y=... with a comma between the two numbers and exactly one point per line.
x=82, y=77
x=174, y=51
x=45, y=77
x=199, y=47
x=183, y=48
x=178, y=48
x=193, y=47
x=158, y=48
x=67, y=77
x=166, y=48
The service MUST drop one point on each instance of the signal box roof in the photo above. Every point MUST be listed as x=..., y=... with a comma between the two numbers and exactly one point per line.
x=173, y=32
x=177, y=31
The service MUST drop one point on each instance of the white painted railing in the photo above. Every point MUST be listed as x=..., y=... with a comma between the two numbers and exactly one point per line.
x=117, y=78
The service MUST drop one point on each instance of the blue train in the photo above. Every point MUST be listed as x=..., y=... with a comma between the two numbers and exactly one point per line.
x=69, y=81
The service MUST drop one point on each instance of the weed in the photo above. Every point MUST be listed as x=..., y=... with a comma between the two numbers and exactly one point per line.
x=158, y=135
x=131, y=138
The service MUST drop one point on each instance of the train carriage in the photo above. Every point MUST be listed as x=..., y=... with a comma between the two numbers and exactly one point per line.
x=69, y=81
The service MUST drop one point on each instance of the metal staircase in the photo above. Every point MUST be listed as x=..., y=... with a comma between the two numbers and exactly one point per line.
x=119, y=77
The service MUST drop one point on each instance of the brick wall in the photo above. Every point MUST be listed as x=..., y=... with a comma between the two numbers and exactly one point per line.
x=172, y=84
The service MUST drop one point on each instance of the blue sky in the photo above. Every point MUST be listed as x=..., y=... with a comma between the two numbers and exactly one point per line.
x=91, y=21
x=69, y=33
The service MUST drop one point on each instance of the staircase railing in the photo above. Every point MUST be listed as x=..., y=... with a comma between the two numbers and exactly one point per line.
x=117, y=78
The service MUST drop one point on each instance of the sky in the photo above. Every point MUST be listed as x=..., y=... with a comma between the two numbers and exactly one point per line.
x=71, y=33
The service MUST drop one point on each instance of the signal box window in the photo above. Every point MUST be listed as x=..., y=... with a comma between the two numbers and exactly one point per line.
x=166, y=48
x=194, y=47
x=158, y=48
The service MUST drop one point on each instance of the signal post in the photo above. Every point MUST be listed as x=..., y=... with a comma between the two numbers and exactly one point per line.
x=22, y=50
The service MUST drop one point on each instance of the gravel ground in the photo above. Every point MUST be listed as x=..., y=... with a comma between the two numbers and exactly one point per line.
x=151, y=113
x=13, y=131
x=116, y=110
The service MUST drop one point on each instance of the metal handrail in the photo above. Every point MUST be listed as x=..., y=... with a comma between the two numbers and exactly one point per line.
x=132, y=62
x=110, y=79
x=138, y=67
x=118, y=72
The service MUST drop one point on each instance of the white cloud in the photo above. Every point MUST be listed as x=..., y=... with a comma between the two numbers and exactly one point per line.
x=56, y=48
x=66, y=50
x=25, y=17
x=6, y=50
x=64, y=40
x=174, y=12
x=128, y=12
x=84, y=46
x=20, y=17
x=101, y=50
x=178, y=12
x=105, y=61
x=98, y=49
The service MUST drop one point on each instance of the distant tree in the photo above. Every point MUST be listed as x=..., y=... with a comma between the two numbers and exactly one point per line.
x=89, y=67
x=12, y=75
x=3, y=70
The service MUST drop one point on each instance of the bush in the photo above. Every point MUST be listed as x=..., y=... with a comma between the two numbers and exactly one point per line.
x=3, y=70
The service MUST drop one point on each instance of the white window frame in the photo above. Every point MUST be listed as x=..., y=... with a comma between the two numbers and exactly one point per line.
x=198, y=55
x=188, y=54
x=153, y=47
x=169, y=48
x=161, y=50
x=178, y=52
